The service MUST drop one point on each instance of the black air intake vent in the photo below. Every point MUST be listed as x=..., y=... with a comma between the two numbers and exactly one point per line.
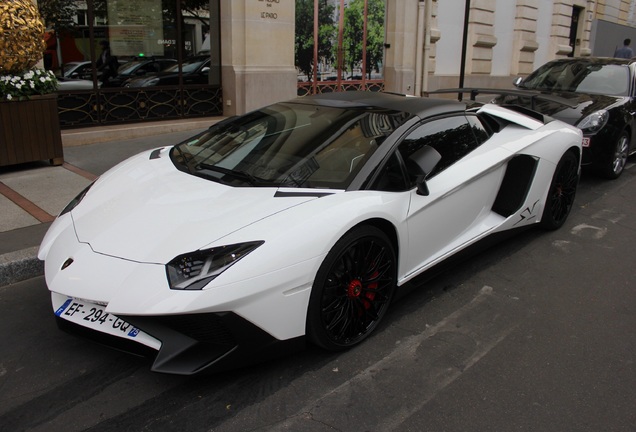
x=515, y=186
x=156, y=154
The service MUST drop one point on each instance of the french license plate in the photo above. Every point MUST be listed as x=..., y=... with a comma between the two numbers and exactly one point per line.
x=586, y=142
x=95, y=317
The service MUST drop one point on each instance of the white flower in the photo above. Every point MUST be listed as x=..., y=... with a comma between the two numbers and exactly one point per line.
x=30, y=82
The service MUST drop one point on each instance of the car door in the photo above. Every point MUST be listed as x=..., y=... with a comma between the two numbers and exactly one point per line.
x=462, y=189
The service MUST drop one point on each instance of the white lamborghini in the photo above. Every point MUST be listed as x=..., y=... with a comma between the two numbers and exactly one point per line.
x=299, y=221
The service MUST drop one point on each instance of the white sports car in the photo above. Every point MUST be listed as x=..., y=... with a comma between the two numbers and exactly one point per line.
x=301, y=220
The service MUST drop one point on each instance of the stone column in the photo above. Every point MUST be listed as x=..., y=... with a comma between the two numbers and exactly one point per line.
x=525, y=37
x=400, y=53
x=561, y=22
x=481, y=38
x=257, y=53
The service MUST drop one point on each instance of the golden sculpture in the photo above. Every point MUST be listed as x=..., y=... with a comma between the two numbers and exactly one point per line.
x=21, y=36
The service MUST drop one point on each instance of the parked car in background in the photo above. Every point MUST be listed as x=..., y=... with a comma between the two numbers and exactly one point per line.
x=82, y=70
x=79, y=75
x=77, y=70
x=67, y=84
x=601, y=102
x=195, y=70
x=139, y=67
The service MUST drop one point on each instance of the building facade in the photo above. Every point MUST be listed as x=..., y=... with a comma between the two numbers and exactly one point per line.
x=250, y=47
x=506, y=38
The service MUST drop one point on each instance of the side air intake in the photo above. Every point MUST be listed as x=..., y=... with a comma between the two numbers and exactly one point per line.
x=515, y=186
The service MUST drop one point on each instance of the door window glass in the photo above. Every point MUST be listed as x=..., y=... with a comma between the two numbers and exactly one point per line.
x=452, y=137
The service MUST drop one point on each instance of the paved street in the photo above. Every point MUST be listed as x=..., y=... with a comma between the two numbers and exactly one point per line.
x=534, y=334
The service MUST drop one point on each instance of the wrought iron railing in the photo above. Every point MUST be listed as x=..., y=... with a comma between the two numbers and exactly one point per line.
x=123, y=105
x=308, y=88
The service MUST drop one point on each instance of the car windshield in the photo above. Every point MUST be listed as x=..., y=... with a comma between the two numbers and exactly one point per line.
x=187, y=66
x=68, y=68
x=288, y=144
x=130, y=67
x=580, y=77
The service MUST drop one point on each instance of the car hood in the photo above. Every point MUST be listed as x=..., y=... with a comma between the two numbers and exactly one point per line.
x=146, y=210
x=580, y=104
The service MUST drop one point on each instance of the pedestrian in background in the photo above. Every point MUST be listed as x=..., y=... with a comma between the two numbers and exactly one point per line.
x=624, y=52
x=106, y=63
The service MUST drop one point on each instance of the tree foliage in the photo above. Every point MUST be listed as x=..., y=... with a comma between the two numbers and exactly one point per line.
x=304, y=40
x=354, y=35
x=58, y=14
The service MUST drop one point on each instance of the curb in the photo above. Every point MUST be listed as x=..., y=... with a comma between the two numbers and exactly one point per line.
x=20, y=265
x=100, y=134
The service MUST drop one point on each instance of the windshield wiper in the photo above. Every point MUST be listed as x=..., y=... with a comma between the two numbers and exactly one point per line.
x=241, y=175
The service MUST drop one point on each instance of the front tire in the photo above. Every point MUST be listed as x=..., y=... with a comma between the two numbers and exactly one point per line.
x=613, y=168
x=561, y=193
x=352, y=289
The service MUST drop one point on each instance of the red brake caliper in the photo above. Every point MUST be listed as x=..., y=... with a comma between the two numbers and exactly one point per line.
x=355, y=289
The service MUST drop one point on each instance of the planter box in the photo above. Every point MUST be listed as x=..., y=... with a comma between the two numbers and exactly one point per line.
x=30, y=131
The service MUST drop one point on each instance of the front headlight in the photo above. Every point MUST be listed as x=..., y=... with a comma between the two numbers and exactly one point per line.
x=193, y=271
x=594, y=122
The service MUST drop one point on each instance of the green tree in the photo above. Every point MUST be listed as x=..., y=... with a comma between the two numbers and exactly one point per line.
x=304, y=40
x=58, y=14
x=354, y=34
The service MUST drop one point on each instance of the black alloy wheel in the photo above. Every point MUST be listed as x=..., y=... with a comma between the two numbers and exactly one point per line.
x=615, y=166
x=561, y=193
x=352, y=290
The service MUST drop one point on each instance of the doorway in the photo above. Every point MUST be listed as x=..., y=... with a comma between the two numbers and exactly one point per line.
x=575, y=40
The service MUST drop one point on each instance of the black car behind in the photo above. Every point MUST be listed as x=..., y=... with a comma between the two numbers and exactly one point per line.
x=195, y=70
x=600, y=95
x=137, y=68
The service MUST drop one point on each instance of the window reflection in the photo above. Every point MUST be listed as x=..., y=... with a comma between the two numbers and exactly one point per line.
x=147, y=36
x=452, y=137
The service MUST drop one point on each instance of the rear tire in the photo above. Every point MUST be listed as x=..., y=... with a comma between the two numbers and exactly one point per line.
x=352, y=289
x=561, y=193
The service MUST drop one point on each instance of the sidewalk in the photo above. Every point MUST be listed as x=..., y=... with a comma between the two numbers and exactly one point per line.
x=31, y=195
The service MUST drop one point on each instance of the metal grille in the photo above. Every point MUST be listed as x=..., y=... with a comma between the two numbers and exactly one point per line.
x=202, y=327
x=124, y=105
x=307, y=88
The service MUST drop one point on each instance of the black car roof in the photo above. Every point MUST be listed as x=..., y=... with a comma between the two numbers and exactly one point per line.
x=420, y=106
x=594, y=60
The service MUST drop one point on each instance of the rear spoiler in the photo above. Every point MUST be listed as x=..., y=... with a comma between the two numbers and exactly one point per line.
x=533, y=96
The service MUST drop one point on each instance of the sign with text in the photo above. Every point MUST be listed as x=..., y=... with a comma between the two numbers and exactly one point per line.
x=270, y=10
x=136, y=28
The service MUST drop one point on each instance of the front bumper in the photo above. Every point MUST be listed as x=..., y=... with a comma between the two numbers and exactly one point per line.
x=193, y=343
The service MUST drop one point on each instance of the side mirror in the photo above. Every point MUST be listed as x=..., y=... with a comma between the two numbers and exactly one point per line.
x=517, y=81
x=205, y=70
x=421, y=164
